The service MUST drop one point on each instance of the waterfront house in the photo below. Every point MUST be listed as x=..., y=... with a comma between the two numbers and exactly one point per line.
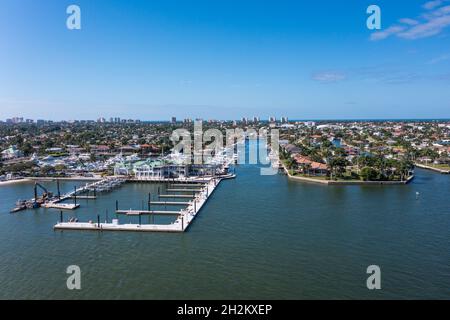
x=11, y=153
x=128, y=150
x=309, y=167
x=100, y=150
x=292, y=149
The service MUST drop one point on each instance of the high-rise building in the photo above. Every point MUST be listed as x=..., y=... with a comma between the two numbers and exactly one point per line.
x=272, y=119
x=17, y=120
x=173, y=120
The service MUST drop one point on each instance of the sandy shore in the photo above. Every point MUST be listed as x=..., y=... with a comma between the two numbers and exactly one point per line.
x=443, y=171
x=4, y=183
x=10, y=182
x=78, y=178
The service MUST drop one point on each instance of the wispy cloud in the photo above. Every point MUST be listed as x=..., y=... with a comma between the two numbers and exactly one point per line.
x=380, y=35
x=329, y=76
x=440, y=58
x=386, y=74
x=430, y=5
x=409, y=21
x=430, y=23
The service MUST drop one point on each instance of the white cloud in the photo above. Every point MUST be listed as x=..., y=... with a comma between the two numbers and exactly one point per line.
x=408, y=21
x=430, y=5
x=329, y=76
x=430, y=23
x=427, y=29
x=380, y=35
x=440, y=58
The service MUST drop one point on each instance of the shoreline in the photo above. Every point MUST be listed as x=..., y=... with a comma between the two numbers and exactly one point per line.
x=423, y=166
x=348, y=183
x=14, y=181
x=77, y=178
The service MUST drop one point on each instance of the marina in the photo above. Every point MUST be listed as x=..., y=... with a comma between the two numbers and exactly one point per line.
x=50, y=200
x=184, y=217
x=320, y=238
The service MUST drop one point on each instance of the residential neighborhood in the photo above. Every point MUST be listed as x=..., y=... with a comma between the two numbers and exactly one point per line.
x=327, y=150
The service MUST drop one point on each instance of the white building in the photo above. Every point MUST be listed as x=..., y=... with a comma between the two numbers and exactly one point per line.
x=11, y=153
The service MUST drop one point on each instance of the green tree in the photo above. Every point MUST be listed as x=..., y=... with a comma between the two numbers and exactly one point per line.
x=368, y=174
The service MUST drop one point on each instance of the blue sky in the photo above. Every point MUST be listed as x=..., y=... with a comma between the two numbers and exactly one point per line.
x=224, y=59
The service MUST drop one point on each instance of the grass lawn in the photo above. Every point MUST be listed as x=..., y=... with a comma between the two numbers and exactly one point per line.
x=440, y=166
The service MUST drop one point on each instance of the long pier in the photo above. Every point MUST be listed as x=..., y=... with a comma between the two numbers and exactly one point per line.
x=186, y=196
x=181, y=224
x=170, y=203
x=146, y=212
x=183, y=190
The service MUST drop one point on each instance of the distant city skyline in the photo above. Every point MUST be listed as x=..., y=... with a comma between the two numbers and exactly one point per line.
x=225, y=60
x=255, y=119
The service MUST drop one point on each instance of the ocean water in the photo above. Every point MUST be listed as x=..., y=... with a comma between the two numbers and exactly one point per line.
x=258, y=237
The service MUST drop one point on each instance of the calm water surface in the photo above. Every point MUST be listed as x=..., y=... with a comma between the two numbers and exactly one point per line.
x=257, y=237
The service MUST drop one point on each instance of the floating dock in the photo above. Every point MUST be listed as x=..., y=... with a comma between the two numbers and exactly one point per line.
x=181, y=224
x=184, y=190
x=60, y=206
x=146, y=212
x=170, y=203
x=176, y=196
x=55, y=202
